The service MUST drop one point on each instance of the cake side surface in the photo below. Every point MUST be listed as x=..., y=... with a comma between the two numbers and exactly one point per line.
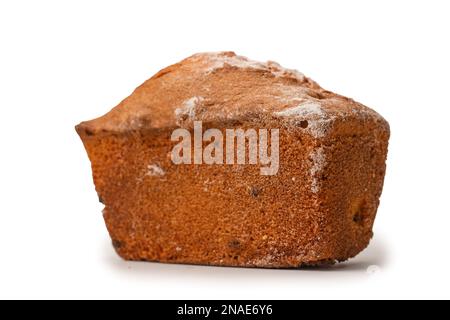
x=319, y=208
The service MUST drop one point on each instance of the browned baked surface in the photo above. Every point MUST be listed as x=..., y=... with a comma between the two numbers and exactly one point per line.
x=319, y=208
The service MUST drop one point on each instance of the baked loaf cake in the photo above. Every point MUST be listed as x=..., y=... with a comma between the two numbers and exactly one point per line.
x=317, y=206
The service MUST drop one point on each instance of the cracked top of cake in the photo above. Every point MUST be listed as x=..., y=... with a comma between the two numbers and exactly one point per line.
x=222, y=86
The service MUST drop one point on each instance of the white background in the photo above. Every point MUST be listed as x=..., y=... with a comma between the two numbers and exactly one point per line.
x=62, y=62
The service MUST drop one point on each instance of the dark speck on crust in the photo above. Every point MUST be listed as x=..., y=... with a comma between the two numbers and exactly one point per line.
x=117, y=244
x=255, y=191
x=234, y=244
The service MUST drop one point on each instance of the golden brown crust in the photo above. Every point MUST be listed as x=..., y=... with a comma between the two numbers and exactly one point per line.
x=318, y=209
x=220, y=87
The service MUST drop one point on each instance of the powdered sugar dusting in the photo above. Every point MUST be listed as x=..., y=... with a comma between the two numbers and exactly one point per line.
x=218, y=60
x=266, y=260
x=271, y=258
x=290, y=94
x=188, y=108
x=319, y=128
x=155, y=170
x=366, y=113
x=319, y=161
x=280, y=71
x=302, y=110
x=318, y=121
